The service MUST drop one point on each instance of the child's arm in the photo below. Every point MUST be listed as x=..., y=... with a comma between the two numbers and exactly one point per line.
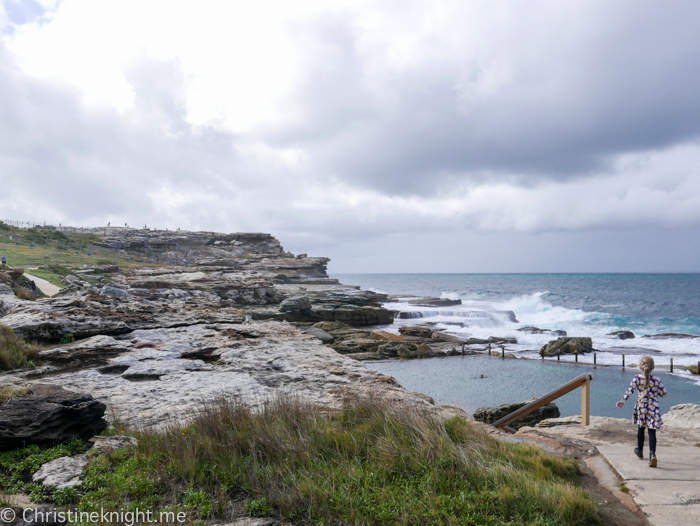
x=631, y=389
x=660, y=389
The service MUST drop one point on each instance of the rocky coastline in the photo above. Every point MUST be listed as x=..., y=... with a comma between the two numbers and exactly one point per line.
x=244, y=317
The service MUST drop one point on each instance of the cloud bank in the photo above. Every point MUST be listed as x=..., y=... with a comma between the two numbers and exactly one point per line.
x=363, y=130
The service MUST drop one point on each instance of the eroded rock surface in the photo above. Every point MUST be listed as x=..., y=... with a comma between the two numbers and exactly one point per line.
x=489, y=415
x=49, y=415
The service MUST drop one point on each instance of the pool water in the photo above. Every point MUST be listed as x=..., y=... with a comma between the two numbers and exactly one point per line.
x=456, y=380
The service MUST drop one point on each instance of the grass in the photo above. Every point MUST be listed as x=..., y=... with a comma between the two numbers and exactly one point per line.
x=372, y=462
x=8, y=392
x=18, y=466
x=15, y=353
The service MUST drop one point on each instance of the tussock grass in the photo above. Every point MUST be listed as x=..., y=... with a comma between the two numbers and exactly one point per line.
x=371, y=462
x=15, y=352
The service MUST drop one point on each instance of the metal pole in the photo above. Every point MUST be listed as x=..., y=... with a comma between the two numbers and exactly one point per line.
x=489, y=349
x=595, y=358
x=503, y=352
x=576, y=357
x=623, y=361
x=558, y=356
x=671, y=364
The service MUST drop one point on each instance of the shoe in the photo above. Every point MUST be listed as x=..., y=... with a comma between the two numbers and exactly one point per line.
x=638, y=452
x=652, y=460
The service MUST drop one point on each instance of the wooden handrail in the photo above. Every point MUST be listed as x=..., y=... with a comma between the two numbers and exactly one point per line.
x=580, y=381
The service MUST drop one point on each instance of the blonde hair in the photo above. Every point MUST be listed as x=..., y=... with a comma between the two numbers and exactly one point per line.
x=647, y=365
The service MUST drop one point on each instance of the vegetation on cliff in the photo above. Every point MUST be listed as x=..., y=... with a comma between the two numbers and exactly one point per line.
x=371, y=462
x=15, y=352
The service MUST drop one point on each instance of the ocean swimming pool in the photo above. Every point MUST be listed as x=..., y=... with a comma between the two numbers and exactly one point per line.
x=456, y=380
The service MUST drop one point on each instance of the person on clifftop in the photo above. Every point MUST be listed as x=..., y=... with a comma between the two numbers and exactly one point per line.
x=647, y=413
x=4, y=260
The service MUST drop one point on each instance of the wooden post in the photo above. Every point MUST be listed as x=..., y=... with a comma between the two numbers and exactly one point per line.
x=576, y=357
x=671, y=364
x=623, y=361
x=503, y=352
x=595, y=358
x=558, y=356
x=489, y=349
x=586, y=403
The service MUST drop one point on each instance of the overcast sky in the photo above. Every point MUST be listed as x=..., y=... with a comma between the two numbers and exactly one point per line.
x=391, y=136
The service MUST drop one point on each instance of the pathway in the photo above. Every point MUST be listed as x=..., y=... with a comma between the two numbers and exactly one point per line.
x=670, y=493
x=44, y=286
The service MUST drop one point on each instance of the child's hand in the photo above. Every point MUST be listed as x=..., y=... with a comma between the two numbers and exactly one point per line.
x=620, y=404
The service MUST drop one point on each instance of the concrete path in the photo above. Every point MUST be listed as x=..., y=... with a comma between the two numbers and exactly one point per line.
x=44, y=286
x=668, y=494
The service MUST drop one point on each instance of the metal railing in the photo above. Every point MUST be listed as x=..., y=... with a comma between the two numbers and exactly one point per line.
x=583, y=381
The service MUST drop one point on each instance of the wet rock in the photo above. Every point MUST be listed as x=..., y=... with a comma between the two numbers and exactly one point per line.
x=537, y=330
x=6, y=290
x=413, y=330
x=567, y=346
x=622, y=335
x=670, y=336
x=490, y=415
x=435, y=302
x=63, y=472
x=356, y=346
x=297, y=304
x=49, y=415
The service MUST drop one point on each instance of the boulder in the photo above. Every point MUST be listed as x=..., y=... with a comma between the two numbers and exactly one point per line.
x=49, y=415
x=63, y=472
x=567, y=346
x=412, y=330
x=400, y=349
x=490, y=415
x=355, y=346
x=320, y=334
x=683, y=415
x=296, y=304
x=622, y=335
x=6, y=290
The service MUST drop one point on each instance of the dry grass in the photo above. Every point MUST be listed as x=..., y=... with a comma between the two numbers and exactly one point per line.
x=373, y=462
x=15, y=352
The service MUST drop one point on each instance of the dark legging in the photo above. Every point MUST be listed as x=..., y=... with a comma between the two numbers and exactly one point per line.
x=652, y=439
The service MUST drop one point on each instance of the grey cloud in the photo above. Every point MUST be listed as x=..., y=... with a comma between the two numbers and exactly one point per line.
x=620, y=79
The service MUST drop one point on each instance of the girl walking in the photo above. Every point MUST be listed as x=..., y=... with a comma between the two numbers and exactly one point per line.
x=646, y=409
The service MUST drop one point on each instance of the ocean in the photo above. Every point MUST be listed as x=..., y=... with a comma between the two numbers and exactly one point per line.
x=662, y=310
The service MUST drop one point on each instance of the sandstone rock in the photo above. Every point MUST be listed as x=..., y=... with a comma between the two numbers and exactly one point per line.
x=413, y=330
x=567, y=346
x=683, y=415
x=101, y=443
x=435, y=302
x=63, y=472
x=320, y=334
x=490, y=415
x=6, y=290
x=384, y=335
x=356, y=345
x=114, y=291
x=622, y=335
x=50, y=414
x=297, y=304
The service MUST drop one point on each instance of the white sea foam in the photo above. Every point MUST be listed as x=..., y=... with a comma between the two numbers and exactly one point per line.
x=481, y=319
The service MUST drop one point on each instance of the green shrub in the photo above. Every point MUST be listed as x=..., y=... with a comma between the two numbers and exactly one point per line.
x=372, y=462
x=68, y=338
x=15, y=352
